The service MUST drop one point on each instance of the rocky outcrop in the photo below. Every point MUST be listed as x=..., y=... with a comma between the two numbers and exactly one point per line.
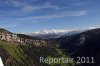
x=25, y=39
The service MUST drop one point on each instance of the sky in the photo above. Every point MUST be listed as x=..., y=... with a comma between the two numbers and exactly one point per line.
x=34, y=15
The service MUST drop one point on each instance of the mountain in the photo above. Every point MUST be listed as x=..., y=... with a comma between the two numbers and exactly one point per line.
x=4, y=31
x=48, y=34
x=56, y=31
x=24, y=50
x=85, y=44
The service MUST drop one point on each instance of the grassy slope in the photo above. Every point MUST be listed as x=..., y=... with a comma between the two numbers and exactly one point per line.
x=60, y=54
x=27, y=55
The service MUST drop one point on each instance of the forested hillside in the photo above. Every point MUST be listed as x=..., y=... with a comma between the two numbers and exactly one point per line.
x=27, y=55
x=24, y=50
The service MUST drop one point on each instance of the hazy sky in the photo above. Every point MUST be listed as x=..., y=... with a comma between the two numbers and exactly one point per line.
x=35, y=15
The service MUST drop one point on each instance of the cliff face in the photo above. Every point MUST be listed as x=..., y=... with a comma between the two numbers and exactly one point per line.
x=19, y=38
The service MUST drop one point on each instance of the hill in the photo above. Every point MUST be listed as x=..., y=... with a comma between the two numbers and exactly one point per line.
x=85, y=44
x=28, y=55
x=27, y=51
x=4, y=31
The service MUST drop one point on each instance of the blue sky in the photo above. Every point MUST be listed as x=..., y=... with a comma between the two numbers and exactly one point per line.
x=34, y=15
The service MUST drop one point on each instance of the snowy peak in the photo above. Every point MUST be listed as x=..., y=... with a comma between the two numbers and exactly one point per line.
x=53, y=31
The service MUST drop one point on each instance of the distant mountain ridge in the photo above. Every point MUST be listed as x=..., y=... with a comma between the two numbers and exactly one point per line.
x=54, y=33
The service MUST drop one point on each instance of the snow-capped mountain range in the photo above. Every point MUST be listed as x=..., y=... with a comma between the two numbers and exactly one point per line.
x=54, y=33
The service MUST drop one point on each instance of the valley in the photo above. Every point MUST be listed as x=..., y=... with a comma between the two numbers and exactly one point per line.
x=25, y=50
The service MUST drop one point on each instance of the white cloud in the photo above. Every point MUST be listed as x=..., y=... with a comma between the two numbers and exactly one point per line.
x=59, y=15
x=7, y=26
x=77, y=4
x=50, y=5
x=31, y=8
x=27, y=7
x=16, y=3
x=35, y=21
x=24, y=8
x=92, y=27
